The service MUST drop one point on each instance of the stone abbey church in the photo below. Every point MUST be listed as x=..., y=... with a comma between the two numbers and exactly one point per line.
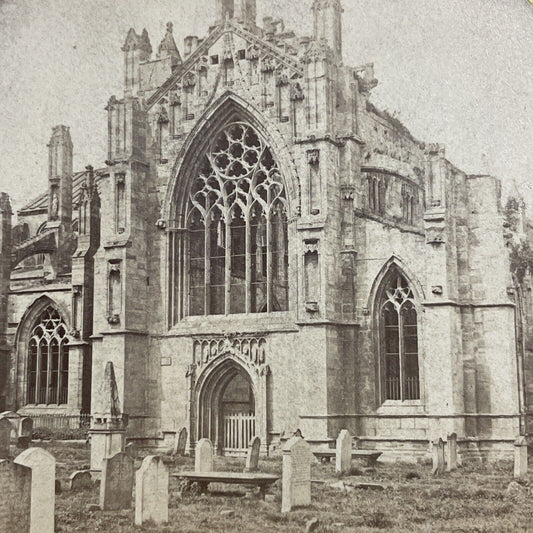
x=264, y=251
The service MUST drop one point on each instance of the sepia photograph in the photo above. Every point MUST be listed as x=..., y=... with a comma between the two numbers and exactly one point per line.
x=266, y=266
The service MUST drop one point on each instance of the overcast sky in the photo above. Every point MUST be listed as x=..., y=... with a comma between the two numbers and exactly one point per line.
x=458, y=72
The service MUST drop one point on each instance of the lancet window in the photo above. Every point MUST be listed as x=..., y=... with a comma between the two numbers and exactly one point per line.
x=237, y=229
x=48, y=360
x=399, y=341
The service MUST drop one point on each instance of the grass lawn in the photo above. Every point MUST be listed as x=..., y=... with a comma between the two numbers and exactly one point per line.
x=471, y=499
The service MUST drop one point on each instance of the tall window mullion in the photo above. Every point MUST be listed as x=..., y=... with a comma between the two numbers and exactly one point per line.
x=227, y=270
x=248, y=259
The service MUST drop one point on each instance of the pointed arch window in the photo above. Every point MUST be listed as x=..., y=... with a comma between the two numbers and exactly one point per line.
x=48, y=360
x=235, y=252
x=399, y=340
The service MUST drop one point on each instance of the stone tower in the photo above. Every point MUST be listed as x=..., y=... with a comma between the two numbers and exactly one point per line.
x=328, y=24
x=137, y=49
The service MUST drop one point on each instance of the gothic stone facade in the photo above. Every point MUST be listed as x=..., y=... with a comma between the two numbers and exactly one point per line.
x=264, y=251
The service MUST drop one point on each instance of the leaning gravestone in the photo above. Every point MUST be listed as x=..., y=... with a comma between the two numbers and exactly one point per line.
x=252, y=457
x=343, y=452
x=181, y=442
x=203, y=456
x=81, y=480
x=151, y=491
x=451, y=452
x=5, y=437
x=438, y=457
x=43, y=477
x=116, y=486
x=15, y=502
x=296, y=479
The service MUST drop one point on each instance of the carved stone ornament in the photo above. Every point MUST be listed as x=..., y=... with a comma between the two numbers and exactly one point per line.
x=174, y=99
x=113, y=319
x=253, y=53
x=248, y=349
x=434, y=236
x=348, y=192
x=162, y=116
x=268, y=64
x=282, y=79
x=437, y=290
x=310, y=246
x=161, y=223
x=189, y=80
x=313, y=157
x=297, y=93
x=75, y=333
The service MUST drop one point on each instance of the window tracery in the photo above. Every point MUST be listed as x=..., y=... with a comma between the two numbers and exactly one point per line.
x=48, y=360
x=237, y=228
x=399, y=340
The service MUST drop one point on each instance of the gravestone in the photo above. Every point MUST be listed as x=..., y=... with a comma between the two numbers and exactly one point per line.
x=296, y=479
x=43, y=477
x=180, y=444
x=130, y=450
x=451, y=452
x=438, y=457
x=203, y=456
x=252, y=457
x=81, y=480
x=15, y=503
x=14, y=418
x=343, y=452
x=26, y=427
x=520, y=458
x=151, y=491
x=5, y=437
x=116, y=486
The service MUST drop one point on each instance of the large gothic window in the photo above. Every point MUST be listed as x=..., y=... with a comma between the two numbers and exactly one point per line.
x=237, y=229
x=48, y=360
x=399, y=340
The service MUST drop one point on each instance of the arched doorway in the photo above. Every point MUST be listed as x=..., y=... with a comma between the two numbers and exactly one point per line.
x=227, y=409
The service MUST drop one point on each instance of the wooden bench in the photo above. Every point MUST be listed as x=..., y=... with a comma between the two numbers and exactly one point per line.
x=371, y=456
x=249, y=479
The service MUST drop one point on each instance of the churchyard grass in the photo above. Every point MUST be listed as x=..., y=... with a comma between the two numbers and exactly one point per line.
x=471, y=499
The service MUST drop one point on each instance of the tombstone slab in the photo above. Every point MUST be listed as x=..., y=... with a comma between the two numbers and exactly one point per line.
x=5, y=437
x=26, y=427
x=343, y=453
x=151, y=491
x=180, y=443
x=116, y=486
x=296, y=480
x=451, y=452
x=15, y=503
x=81, y=480
x=43, y=477
x=438, y=457
x=252, y=456
x=203, y=456
x=520, y=458
x=131, y=450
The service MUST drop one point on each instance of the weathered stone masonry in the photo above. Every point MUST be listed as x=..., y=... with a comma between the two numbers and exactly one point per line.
x=265, y=249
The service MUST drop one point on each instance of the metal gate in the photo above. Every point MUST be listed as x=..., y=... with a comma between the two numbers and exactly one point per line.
x=239, y=429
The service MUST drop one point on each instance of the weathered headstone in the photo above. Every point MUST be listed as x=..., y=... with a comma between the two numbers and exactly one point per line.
x=180, y=442
x=116, y=486
x=43, y=476
x=296, y=480
x=451, y=452
x=343, y=452
x=520, y=458
x=130, y=450
x=15, y=502
x=26, y=427
x=14, y=418
x=151, y=491
x=438, y=457
x=81, y=480
x=5, y=437
x=252, y=457
x=203, y=456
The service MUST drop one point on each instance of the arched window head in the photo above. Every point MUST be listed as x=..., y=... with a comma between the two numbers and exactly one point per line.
x=236, y=243
x=399, y=340
x=48, y=360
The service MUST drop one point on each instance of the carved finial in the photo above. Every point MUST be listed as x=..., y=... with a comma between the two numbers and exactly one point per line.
x=168, y=45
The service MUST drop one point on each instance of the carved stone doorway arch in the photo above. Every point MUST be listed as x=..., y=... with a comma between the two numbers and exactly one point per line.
x=218, y=363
